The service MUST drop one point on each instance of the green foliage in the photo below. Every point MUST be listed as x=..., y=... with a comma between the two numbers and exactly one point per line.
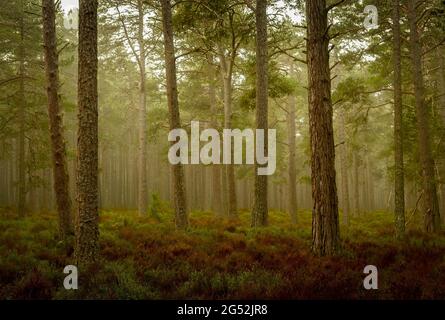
x=158, y=207
x=142, y=258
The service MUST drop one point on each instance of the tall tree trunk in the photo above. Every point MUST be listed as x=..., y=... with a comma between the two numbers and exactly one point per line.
x=325, y=226
x=440, y=74
x=292, y=172
x=344, y=169
x=179, y=195
x=87, y=140
x=260, y=206
x=226, y=70
x=22, y=120
x=430, y=199
x=60, y=167
x=216, y=170
x=142, y=199
x=399, y=180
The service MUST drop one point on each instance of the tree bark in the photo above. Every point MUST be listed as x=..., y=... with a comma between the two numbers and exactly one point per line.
x=142, y=199
x=399, y=179
x=87, y=141
x=60, y=167
x=440, y=74
x=260, y=206
x=325, y=226
x=179, y=195
x=430, y=199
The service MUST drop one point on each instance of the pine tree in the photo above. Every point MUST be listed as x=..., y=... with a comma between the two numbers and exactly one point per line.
x=180, y=206
x=87, y=233
x=60, y=169
x=260, y=207
x=325, y=227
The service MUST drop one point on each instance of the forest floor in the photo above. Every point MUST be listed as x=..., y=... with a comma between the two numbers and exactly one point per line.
x=146, y=258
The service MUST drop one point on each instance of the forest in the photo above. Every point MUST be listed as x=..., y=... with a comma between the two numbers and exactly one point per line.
x=222, y=149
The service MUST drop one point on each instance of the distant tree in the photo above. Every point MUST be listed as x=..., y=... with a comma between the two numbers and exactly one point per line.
x=292, y=172
x=21, y=97
x=140, y=55
x=142, y=164
x=343, y=150
x=21, y=114
x=216, y=169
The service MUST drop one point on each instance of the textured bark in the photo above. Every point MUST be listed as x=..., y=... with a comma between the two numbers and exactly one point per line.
x=399, y=180
x=440, y=74
x=325, y=226
x=292, y=172
x=344, y=169
x=229, y=170
x=179, y=195
x=430, y=199
x=60, y=167
x=87, y=140
x=260, y=206
x=142, y=199
x=22, y=121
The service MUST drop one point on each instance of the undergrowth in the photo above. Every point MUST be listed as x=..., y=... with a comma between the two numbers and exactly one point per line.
x=146, y=258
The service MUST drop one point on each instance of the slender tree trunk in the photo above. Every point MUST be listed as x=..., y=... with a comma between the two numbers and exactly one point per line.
x=370, y=184
x=344, y=169
x=22, y=121
x=260, y=206
x=216, y=170
x=142, y=200
x=355, y=164
x=60, y=167
x=179, y=195
x=225, y=189
x=87, y=141
x=292, y=172
x=365, y=174
x=399, y=182
x=430, y=199
x=226, y=69
x=325, y=226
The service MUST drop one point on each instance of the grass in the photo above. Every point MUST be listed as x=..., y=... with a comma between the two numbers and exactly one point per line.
x=146, y=258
